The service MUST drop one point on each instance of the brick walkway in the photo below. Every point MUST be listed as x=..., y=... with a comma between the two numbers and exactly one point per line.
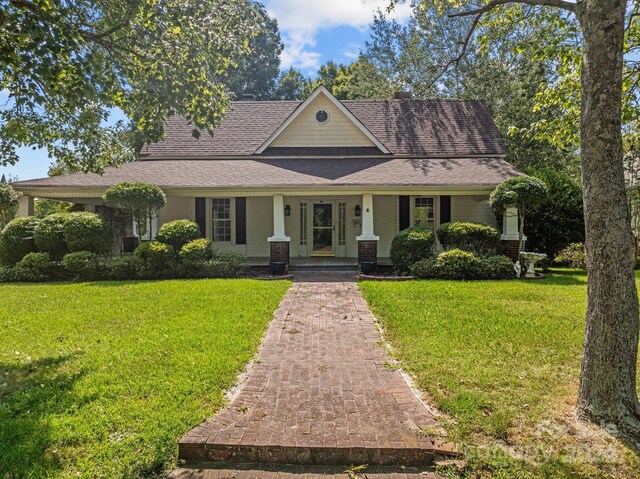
x=321, y=392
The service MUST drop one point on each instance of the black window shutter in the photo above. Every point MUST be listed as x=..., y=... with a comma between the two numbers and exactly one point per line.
x=404, y=214
x=201, y=215
x=445, y=209
x=241, y=220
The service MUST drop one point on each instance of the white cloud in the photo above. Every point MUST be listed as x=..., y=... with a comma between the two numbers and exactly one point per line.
x=300, y=21
x=352, y=51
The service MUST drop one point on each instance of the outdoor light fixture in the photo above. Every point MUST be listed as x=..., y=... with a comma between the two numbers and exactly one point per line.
x=287, y=210
x=358, y=211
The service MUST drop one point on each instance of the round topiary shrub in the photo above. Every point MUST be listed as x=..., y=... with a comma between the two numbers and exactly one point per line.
x=33, y=267
x=83, y=265
x=410, y=246
x=178, y=233
x=156, y=258
x=455, y=264
x=196, y=252
x=477, y=238
x=125, y=266
x=16, y=240
x=49, y=235
x=84, y=231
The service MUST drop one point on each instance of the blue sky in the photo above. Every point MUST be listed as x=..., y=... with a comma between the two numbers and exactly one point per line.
x=313, y=31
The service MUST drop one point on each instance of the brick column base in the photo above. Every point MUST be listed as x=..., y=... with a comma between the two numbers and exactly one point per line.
x=511, y=249
x=279, y=251
x=367, y=251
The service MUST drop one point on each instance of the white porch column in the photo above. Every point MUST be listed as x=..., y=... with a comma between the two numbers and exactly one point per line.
x=510, y=230
x=25, y=206
x=278, y=220
x=367, y=219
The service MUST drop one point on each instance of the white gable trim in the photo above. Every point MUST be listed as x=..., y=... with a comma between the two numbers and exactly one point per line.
x=321, y=90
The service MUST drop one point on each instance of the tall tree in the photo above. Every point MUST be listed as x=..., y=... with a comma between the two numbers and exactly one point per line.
x=257, y=71
x=607, y=390
x=67, y=63
x=291, y=85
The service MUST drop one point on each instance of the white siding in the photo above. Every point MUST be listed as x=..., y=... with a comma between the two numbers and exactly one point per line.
x=177, y=208
x=259, y=225
x=472, y=208
x=385, y=222
x=306, y=131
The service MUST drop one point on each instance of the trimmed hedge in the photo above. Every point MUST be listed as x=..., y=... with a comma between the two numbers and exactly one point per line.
x=16, y=240
x=178, y=233
x=124, y=266
x=460, y=265
x=226, y=265
x=49, y=235
x=477, y=238
x=84, y=231
x=34, y=267
x=193, y=258
x=156, y=258
x=83, y=265
x=410, y=246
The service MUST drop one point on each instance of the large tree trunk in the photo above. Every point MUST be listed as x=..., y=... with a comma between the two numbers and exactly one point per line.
x=608, y=375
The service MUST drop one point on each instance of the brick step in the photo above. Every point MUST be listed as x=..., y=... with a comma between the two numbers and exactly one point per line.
x=270, y=471
x=190, y=450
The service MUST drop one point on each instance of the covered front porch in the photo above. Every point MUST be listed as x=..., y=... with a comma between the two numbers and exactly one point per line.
x=308, y=227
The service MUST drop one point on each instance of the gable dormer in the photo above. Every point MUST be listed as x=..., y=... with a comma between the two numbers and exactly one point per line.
x=322, y=121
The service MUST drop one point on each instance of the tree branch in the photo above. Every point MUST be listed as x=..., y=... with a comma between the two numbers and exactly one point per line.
x=571, y=7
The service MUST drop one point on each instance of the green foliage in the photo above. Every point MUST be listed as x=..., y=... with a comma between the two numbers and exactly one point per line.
x=463, y=265
x=157, y=259
x=196, y=252
x=178, y=233
x=16, y=240
x=291, y=85
x=33, y=267
x=43, y=208
x=226, y=265
x=479, y=239
x=138, y=199
x=574, y=256
x=558, y=219
x=257, y=70
x=521, y=192
x=9, y=200
x=124, y=266
x=84, y=265
x=84, y=231
x=66, y=64
x=410, y=246
x=49, y=235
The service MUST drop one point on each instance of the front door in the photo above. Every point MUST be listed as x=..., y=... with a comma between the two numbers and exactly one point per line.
x=322, y=229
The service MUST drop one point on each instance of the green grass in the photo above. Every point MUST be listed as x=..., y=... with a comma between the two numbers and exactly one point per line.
x=502, y=360
x=100, y=380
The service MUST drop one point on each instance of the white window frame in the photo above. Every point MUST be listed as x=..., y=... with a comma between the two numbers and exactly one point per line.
x=435, y=210
x=230, y=220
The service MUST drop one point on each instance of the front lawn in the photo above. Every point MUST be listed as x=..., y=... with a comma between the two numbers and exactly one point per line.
x=100, y=380
x=501, y=359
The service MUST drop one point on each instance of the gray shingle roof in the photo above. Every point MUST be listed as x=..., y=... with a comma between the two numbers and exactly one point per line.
x=443, y=128
x=290, y=172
